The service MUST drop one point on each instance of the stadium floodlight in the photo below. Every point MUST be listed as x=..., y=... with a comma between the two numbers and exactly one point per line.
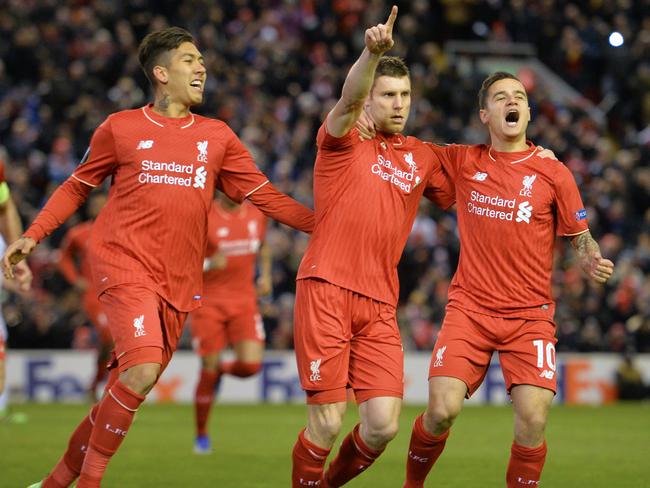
x=616, y=39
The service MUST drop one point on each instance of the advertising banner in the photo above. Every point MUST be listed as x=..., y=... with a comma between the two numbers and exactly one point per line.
x=63, y=376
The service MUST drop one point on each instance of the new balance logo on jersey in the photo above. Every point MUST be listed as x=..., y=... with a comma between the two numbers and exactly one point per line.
x=200, y=177
x=138, y=323
x=547, y=374
x=527, y=190
x=438, y=362
x=524, y=212
x=315, y=370
x=145, y=144
x=202, y=146
x=480, y=176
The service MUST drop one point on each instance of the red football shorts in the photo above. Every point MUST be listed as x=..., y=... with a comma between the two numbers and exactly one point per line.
x=468, y=339
x=216, y=325
x=344, y=339
x=145, y=328
x=3, y=351
x=95, y=312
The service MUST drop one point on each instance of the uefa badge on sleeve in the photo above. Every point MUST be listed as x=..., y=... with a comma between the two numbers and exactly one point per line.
x=581, y=215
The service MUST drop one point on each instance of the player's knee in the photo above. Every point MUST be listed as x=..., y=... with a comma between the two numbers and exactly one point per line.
x=381, y=433
x=326, y=426
x=440, y=416
x=529, y=428
x=141, y=378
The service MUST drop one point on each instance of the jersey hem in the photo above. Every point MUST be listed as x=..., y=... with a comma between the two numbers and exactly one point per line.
x=349, y=288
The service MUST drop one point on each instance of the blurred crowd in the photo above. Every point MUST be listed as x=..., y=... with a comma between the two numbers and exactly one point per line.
x=276, y=67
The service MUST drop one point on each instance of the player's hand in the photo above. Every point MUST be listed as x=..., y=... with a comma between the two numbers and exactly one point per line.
x=379, y=38
x=15, y=253
x=546, y=153
x=264, y=285
x=366, y=127
x=598, y=268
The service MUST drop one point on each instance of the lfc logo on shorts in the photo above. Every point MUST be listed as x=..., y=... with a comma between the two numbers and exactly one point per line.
x=138, y=323
x=315, y=370
x=439, y=353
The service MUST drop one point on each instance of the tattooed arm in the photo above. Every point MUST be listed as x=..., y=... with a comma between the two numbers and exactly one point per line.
x=592, y=263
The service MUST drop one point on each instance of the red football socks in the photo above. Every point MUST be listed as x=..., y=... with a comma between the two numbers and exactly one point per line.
x=525, y=466
x=203, y=398
x=424, y=450
x=353, y=458
x=240, y=369
x=308, y=461
x=114, y=417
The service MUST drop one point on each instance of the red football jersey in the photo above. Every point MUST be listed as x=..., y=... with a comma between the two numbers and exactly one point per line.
x=366, y=196
x=153, y=229
x=510, y=208
x=74, y=253
x=237, y=235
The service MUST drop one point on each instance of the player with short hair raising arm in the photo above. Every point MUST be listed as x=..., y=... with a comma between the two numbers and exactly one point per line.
x=148, y=243
x=366, y=196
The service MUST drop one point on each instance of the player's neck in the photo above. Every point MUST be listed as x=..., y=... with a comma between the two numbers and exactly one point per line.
x=163, y=105
x=505, y=145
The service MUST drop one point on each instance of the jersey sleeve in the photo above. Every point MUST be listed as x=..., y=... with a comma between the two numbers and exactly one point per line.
x=451, y=156
x=238, y=176
x=334, y=152
x=65, y=201
x=571, y=213
x=100, y=158
x=440, y=189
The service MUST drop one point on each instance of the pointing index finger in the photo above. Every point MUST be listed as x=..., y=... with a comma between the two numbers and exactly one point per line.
x=391, y=18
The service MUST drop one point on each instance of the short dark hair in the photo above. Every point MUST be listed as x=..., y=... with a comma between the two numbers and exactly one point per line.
x=391, y=66
x=158, y=43
x=491, y=80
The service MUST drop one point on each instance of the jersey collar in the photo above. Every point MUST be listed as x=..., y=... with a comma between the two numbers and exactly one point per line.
x=162, y=121
x=395, y=139
x=513, y=157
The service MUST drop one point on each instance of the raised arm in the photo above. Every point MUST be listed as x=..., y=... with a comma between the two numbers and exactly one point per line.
x=378, y=40
x=592, y=263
